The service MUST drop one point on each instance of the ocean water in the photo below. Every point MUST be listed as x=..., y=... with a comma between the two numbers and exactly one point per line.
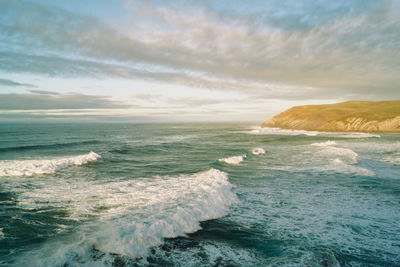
x=197, y=195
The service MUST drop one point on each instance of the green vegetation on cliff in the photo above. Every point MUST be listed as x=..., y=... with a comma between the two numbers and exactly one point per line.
x=365, y=116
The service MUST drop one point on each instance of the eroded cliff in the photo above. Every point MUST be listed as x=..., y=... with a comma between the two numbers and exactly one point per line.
x=351, y=116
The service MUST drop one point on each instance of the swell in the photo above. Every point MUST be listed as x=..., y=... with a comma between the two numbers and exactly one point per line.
x=48, y=146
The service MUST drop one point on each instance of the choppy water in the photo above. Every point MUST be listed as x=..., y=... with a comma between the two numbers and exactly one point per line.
x=197, y=195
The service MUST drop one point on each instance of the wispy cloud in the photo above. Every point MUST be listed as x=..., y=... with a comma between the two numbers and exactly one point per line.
x=11, y=83
x=44, y=100
x=41, y=92
x=318, y=49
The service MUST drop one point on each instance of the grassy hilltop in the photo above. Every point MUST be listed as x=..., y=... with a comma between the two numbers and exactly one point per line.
x=361, y=116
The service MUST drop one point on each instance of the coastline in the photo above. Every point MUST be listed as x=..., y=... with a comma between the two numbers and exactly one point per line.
x=350, y=116
x=333, y=131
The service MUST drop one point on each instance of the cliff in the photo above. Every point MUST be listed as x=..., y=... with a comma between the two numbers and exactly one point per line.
x=351, y=116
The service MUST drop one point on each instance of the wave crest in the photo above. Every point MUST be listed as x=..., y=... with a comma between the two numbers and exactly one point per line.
x=278, y=131
x=327, y=143
x=233, y=160
x=338, y=165
x=45, y=166
x=258, y=151
x=133, y=215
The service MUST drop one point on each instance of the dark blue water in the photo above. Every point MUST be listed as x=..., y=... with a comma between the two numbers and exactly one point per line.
x=197, y=195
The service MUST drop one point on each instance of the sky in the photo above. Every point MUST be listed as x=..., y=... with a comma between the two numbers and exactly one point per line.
x=156, y=61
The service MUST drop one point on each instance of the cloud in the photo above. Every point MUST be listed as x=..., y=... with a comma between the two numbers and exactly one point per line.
x=61, y=116
x=43, y=100
x=11, y=83
x=156, y=101
x=343, y=49
x=41, y=92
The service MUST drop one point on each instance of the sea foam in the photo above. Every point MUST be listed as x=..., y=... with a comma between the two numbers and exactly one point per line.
x=394, y=159
x=328, y=150
x=133, y=215
x=345, y=154
x=338, y=165
x=339, y=159
x=277, y=131
x=233, y=160
x=44, y=166
x=327, y=143
x=258, y=151
x=257, y=130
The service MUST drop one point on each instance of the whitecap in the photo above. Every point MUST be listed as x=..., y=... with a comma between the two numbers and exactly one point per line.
x=338, y=165
x=258, y=151
x=233, y=160
x=277, y=131
x=393, y=159
x=133, y=215
x=257, y=130
x=353, y=135
x=327, y=143
x=43, y=166
x=343, y=153
x=327, y=156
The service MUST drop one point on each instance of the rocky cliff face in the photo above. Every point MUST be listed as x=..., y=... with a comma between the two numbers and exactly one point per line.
x=352, y=116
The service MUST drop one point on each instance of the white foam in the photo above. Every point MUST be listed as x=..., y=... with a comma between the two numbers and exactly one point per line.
x=327, y=156
x=257, y=130
x=233, y=160
x=394, y=159
x=277, y=131
x=345, y=154
x=44, y=166
x=338, y=165
x=354, y=135
x=327, y=143
x=258, y=151
x=205, y=253
x=133, y=215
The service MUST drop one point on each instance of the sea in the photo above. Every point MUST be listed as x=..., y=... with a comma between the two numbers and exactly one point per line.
x=200, y=194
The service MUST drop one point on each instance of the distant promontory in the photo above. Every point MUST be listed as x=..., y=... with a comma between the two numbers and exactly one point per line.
x=350, y=116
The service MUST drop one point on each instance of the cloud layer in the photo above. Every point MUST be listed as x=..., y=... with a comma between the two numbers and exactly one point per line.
x=43, y=100
x=267, y=49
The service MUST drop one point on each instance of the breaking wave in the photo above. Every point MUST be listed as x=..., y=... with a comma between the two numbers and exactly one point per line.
x=44, y=166
x=233, y=160
x=258, y=151
x=278, y=131
x=338, y=165
x=133, y=215
x=339, y=159
x=354, y=135
x=327, y=143
x=394, y=159
x=338, y=152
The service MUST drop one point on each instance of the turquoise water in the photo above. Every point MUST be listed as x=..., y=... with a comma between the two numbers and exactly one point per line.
x=196, y=195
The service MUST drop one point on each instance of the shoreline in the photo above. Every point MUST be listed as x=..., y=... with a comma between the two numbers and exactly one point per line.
x=330, y=131
x=350, y=116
